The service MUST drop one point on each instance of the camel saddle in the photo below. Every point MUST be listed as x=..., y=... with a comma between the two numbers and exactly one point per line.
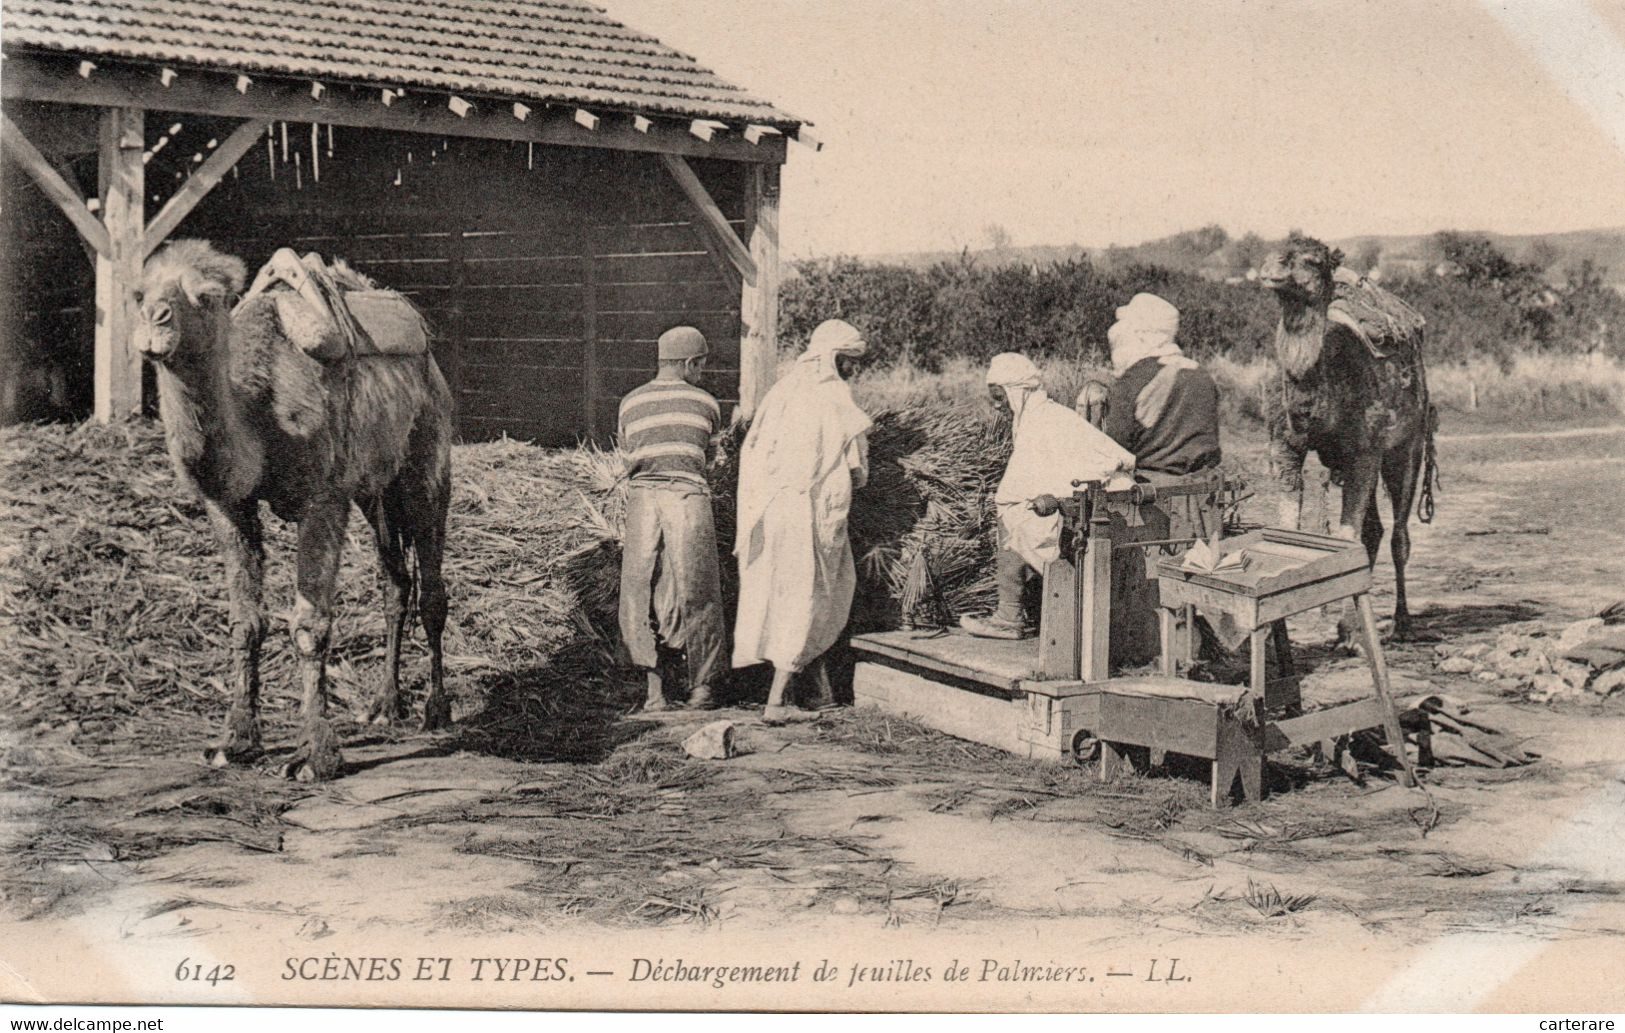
x=1377, y=317
x=334, y=313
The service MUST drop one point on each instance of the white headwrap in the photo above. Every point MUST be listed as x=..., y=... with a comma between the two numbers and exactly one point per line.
x=1053, y=446
x=1020, y=379
x=831, y=338
x=1145, y=329
x=1008, y=369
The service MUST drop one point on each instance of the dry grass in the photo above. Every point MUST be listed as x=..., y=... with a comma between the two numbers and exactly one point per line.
x=1534, y=386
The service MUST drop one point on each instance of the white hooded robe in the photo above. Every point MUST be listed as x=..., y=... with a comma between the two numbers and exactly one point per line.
x=806, y=452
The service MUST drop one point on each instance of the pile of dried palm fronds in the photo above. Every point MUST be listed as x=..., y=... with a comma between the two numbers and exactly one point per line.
x=932, y=471
x=113, y=608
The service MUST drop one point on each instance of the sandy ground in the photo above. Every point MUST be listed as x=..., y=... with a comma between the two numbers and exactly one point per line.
x=835, y=833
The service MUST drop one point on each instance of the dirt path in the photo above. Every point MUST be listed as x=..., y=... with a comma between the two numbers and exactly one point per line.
x=856, y=825
x=1534, y=435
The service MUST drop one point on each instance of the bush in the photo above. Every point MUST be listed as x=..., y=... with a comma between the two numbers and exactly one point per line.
x=922, y=318
x=958, y=309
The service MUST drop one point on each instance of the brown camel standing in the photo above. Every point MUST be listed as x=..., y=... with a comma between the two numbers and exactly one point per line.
x=1354, y=392
x=250, y=418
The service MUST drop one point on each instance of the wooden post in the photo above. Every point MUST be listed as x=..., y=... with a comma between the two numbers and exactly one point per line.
x=1058, y=621
x=589, y=331
x=759, y=301
x=122, y=178
x=1095, y=616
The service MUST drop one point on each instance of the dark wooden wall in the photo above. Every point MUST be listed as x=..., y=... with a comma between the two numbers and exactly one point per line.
x=547, y=272
x=47, y=304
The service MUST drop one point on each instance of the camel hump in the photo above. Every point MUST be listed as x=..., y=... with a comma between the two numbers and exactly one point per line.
x=333, y=313
x=1379, y=318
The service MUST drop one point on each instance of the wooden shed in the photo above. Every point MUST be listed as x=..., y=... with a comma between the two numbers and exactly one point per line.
x=553, y=188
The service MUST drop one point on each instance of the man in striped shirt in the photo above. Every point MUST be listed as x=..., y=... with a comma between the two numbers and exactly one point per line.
x=671, y=592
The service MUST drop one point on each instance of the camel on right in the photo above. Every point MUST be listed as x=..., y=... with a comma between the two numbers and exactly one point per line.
x=1354, y=392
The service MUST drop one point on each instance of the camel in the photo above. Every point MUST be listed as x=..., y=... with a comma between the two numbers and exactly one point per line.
x=1354, y=392
x=249, y=417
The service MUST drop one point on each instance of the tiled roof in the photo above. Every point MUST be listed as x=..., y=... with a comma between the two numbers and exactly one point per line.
x=538, y=50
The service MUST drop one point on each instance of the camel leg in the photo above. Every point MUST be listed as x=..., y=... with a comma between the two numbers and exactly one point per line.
x=1287, y=463
x=395, y=578
x=429, y=539
x=321, y=543
x=241, y=543
x=1401, y=471
x=1359, y=522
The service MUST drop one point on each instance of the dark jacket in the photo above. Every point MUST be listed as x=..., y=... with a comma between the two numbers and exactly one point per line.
x=1180, y=434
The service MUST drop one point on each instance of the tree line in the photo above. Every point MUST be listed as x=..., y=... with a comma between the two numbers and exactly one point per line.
x=1479, y=303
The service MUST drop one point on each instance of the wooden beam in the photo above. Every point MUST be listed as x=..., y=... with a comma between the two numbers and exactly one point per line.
x=759, y=298
x=41, y=78
x=53, y=185
x=205, y=179
x=123, y=188
x=719, y=258
x=711, y=215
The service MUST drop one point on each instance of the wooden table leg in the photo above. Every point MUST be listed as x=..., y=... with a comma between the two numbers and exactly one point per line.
x=1284, y=663
x=1260, y=670
x=1165, y=624
x=1379, y=677
x=1193, y=639
x=1288, y=699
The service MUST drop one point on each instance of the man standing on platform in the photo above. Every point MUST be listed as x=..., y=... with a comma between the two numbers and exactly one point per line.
x=1163, y=407
x=671, y=592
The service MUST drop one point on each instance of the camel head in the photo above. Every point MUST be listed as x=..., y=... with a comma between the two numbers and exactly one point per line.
x=185, y=298
x=1300, y=272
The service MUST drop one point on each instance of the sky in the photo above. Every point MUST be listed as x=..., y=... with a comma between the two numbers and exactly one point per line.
x=1116, y=121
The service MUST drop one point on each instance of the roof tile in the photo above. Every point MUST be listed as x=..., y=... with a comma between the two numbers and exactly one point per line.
x=535, y=50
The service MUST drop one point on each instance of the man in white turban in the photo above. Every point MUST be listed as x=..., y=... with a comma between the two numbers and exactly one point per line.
x=1163, y=407
x=806, y=452
x=1053, y=446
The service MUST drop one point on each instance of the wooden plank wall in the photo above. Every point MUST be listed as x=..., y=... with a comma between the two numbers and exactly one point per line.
x=547, y=272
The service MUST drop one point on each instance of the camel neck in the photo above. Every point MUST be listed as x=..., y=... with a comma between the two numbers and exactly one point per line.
x=189, y=406
x=1300, y=336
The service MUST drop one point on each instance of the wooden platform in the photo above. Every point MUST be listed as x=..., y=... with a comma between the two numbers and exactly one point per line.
x=996, y=663
x=978, y=689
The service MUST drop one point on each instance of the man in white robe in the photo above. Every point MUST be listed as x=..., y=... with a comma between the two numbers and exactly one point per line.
x=806, y=452
x=1053, y=446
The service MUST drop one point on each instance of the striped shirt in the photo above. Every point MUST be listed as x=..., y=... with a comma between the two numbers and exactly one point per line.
x=667, y=425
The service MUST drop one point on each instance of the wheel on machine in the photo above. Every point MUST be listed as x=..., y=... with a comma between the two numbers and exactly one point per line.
x=1085, y=747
